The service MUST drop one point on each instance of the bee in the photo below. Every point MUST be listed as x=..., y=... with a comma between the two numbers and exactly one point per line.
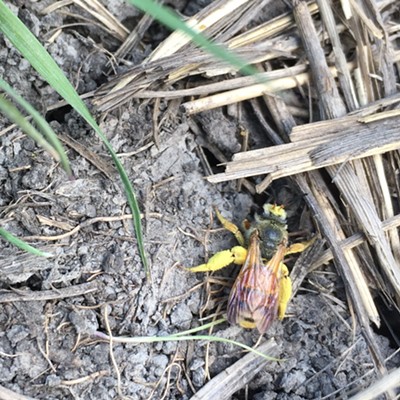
x=262, y=290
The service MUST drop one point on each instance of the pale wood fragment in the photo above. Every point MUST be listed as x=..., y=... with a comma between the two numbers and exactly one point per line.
x=346, y=84
x=389, y=381
x=246, y=93
x=238, y=375
x=352, y=187
x=355, y=240
x=45, y=295
x=315, y=146
x=205, y=19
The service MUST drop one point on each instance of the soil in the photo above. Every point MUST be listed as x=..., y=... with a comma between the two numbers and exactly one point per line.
x=47, y=348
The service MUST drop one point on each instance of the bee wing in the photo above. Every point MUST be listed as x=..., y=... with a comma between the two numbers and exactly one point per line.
x=253, y=301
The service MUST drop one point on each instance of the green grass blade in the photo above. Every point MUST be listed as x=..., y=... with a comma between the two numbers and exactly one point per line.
x=154, y=339
x=199, y=328
x=172, y=21
x=51, y=144
x=23, y=245
x=40, y=59
x=15, y=116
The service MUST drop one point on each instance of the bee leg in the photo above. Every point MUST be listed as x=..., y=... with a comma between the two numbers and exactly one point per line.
x=285, y=291
x=231, y=227
x=299, y=247
x=222, y=259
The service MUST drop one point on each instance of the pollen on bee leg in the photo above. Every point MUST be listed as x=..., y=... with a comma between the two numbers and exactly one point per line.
x=285, y=291
x=217, y=261
x=299, y=247
x=239, y=254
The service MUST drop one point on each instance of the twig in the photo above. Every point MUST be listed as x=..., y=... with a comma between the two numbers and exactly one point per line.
x=111, y=351
x=28, y=295
x=246, y=93
x=383, y=385
x=353, y=241
x=99, y=162
x=344, y=139
x=331, y=102
x=90, y=377
x=346, y=84
x=332, y=106
x=235, y=377
x=7, y=394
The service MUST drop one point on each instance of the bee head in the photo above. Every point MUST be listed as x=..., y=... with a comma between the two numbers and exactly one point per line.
x=275, y=212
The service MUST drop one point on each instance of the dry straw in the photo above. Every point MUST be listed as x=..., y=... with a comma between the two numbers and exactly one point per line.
x=345, y=59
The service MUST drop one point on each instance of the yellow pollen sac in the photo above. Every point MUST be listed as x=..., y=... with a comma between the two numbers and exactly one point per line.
x=299, y=247
x=240, y=254
x=216, y=262
x=222, y=259
x=276, y=210
x=285, y=291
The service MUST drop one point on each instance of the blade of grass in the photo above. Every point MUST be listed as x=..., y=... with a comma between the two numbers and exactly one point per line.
x=43, y=63
x=172, y=21
x=199, y=328
x=13, y=114
x=52, y=144
x=22, y=245
x=153, y=339
x=180, y=336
